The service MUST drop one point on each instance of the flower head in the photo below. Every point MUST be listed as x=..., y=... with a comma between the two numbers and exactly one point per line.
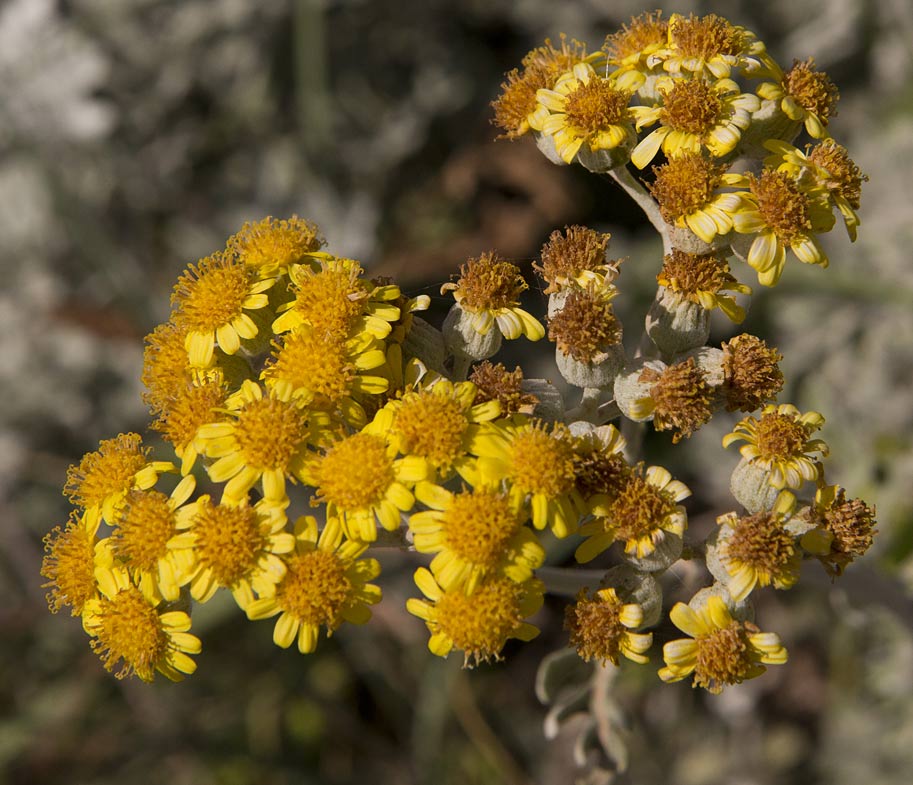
x=602, y=628
x=272, y=246
x=703, y=279
x=631, y=50
x=577, y=257
x=496, y=383
x=69, y=562
x=478, y=624
x=680, y=399
x=806, y=95
x=710, y=46
x=325, y=584
x=844, y=528
x=751, y=373
x=721, y=649
x=586, y=325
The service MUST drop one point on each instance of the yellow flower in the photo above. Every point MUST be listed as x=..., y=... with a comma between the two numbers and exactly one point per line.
x=806, y=95
x=361, y=481
x=694, y=115
x=576, y=258
x=489, y=291
x=721, y=650
x=235, y=547
x=478, y=624
x=783, y=216
x=602, y=628
x=538, y=461
x=585, y=109
x=703, y=279
x=128, y=627
x=631, y=50
x=436, y=424
x=474, y=534
x=780, y=444
x=757, y=550
x=324, y=585
x=642, y=513
x=333, y=298
x=210, y=302
x=143, y=540
x=710, y=46
x=264, y=439
x=272, y=246
x=104, y=477
x=69, y=562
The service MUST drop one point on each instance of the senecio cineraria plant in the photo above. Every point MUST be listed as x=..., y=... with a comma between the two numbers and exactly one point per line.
x=286, y=376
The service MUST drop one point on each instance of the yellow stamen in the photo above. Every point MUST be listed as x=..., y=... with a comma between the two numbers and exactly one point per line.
x=691, y=106
x=339, y=485
x=109, y=470
x=228, y=540
x=69, y=566
x=315, y=589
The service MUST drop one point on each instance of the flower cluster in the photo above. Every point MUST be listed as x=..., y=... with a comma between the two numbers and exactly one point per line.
x=286, y=379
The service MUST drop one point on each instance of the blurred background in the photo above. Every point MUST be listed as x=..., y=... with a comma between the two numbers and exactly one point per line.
x=137, y=135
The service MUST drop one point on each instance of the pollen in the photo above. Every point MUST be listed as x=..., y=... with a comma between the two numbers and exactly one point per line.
x=596, y=105
x=706, y=37
x=585, y=326
x=269, y=432
x=271, y=244
x=780, y=436
x=431, y=426
x=681, y=397
x=496, y=383
x=691, y=106
x=725, y=656
x=143, y=529
x=228, y=540
x=313, y=360
x=844, y=177
x=566, y=256
x=595, y=627
x=782, y=206
x=480, y=624
x=639, y=509
x=331, y=299
x=813, y=89
x=751, y=372
x=346, y=489
x=109, y=470
x=489, y=283
x=190, y=408
x=211, y=293
x=852, y=522
x=690, y=274
x=646, y=30
x=128, y=628
x=165, y=367
x=315, y=589
x=478, y=526
x=542, y=460
x=761, y=542
x=685, y=184
x=69, y=566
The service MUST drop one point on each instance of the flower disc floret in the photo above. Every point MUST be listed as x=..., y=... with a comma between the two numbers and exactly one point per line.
x=272, y=246
x=576, y=257
x=602, y=628
x=703, y=279
x=69, y=563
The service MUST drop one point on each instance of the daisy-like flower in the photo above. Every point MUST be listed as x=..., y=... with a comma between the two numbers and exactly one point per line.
x=844, y=528
x=474, y=534
x=711, y=46
x=272, y=246
x=680, y=399
x=806, y=95
x=703, y=279
x=576, y=258
x=325, y=371
x=69, y=562
x=780, y=444
x=436, y=424
x=757, y=550
x=641, y=513
x=324, y=585
x=602, y=628
x=600, y=468
x=827, y=166
x=631, y=50
x=586, y=112
x=234, y=546
x=264, y=438
x=782, y=216
x=694, y=115
x=143, y=540
x=586, y=328
x=488, y=292
x=721, y=649
x=687, y=189
x=361, y=481
x=495, y=383
x=478, y=624
x=210, y=302
x=332, y=296
x=104, y=477
x=538, y=461
x=129, y=628
x=541, y=69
